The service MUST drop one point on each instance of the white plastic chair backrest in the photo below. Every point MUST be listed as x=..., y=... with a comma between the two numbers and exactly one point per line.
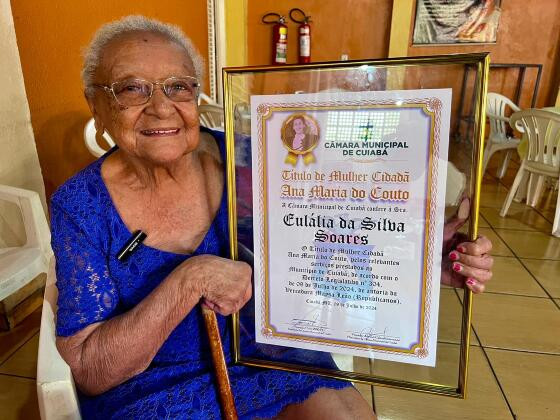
x=496, y=107
x=333, y=90
x=211, y=116
x=91, y=140
x=37, y=230
x=542, y=129
x=205, y=99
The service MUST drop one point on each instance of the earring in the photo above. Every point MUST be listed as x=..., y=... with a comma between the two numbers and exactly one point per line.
x=99, y=131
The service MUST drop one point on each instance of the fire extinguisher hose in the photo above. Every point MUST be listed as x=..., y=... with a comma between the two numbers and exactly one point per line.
x=304, y=18
x=276, y=18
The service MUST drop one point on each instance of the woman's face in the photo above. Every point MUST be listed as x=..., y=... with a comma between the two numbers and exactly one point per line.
x=160, y=131
x=299, y=126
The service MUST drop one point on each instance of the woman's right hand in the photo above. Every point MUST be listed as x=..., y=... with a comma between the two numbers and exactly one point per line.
x=224, y=285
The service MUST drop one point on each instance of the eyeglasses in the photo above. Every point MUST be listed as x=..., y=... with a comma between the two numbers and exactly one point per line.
x=132, y=92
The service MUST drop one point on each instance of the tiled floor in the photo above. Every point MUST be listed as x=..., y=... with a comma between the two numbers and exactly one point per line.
x=514, y=370
x=18, y=366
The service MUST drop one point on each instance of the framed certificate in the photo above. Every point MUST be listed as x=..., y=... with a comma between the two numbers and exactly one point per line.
x=342, y=186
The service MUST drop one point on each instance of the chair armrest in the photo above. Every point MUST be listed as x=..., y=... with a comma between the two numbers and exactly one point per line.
x=56, y=390
x=13, y=194
x=517, y=126
x=497, y=117
x=51, y=367
x=57, y=400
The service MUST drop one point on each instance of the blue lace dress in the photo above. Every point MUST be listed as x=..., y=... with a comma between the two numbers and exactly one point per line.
x=87, y=233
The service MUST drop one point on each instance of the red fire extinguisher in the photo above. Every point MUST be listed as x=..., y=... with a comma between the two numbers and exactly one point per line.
x=304, y=35
x=279, y=37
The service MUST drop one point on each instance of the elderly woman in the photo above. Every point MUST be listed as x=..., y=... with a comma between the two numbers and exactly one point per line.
x=131, y=330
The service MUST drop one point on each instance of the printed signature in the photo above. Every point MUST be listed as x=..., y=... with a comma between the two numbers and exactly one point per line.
x=309, y=324
x=368, y=334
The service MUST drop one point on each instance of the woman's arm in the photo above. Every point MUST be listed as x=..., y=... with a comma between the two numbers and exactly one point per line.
x=106, y=354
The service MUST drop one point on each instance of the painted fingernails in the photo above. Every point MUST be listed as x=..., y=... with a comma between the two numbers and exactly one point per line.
x=471, y=282
x=453, y=256
x=457, y=267
x=461, y=249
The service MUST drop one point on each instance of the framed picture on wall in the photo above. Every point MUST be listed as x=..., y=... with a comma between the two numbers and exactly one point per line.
x=456, y=22
x=342, y=182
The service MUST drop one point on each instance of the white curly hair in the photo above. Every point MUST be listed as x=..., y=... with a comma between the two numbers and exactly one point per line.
x=135, y=23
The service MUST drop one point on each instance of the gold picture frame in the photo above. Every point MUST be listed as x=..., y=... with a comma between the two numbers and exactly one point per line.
x=240, y=83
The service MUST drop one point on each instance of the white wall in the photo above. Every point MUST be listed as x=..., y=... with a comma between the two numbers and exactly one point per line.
x=19, y=163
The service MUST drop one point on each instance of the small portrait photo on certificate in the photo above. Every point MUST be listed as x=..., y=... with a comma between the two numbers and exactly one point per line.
x=300, y=135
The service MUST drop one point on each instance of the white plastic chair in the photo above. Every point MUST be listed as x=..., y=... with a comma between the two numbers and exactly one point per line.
x=498, y=139
x=455, y=185
x=211, y=116
x=542, y=129
x=205, y=99
x=91, y=139
x=20, y=265
x=56, y=391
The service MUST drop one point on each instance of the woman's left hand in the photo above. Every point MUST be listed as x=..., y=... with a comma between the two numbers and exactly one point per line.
x=464, y=262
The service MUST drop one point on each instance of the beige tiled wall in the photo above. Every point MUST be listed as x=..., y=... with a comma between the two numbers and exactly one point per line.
x=19, y=164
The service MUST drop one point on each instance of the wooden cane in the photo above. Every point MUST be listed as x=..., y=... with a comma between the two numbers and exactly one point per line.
x=224, y=388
